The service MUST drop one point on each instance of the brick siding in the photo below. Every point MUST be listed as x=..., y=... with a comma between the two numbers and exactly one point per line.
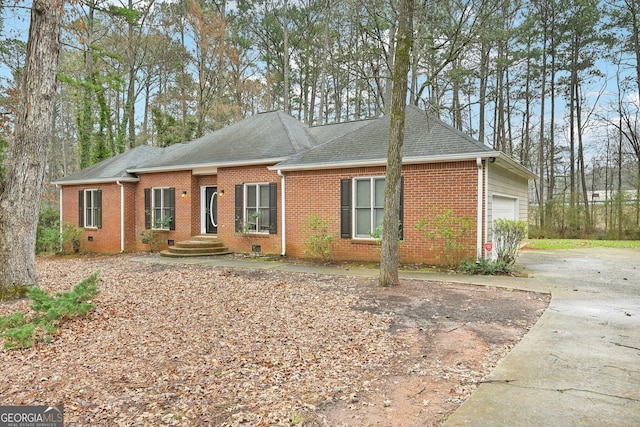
x=428, y=188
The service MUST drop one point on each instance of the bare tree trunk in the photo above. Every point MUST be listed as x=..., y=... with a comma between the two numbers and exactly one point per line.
x=286, y=58
x=22, y=183
x=390, y=258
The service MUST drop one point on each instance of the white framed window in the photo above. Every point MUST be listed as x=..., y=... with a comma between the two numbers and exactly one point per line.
x=368, y=205
x=163, y=206
x=92, y=208
x=256, y=208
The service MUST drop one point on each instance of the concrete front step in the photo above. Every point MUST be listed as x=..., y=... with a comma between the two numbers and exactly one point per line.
x=171, y=254
x=203, y=245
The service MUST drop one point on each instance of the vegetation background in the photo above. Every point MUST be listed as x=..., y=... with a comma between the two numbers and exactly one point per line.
x=552, y=83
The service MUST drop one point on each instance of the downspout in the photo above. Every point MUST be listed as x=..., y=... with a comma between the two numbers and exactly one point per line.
x=121, y=215
x=486, y=209
x=61, y=223
x=283, y=252
x=480, y=204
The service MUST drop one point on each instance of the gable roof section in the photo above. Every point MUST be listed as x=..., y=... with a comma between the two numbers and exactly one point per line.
x=261, y=138
x=113, y=169
x=282, y=142
x=427, y=139
x=328, y=132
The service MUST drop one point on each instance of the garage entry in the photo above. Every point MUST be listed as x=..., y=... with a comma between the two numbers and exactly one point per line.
x=504, y=207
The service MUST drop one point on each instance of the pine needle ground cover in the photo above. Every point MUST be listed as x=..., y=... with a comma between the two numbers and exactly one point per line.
x=194, y=345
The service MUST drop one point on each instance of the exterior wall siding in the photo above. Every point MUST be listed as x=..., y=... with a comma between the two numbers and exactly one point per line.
x=108, y=237
x=182, y=181
x=227, y=179
x=501, y=182
x=428, y=189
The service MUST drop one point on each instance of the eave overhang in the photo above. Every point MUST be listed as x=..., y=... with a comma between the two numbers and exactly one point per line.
x=502, y=159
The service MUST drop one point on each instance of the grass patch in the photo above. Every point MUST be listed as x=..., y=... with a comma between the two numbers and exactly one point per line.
x=22, y=330
x=580, y=243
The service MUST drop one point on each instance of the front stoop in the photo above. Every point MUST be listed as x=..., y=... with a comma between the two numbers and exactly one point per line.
x=203, y=245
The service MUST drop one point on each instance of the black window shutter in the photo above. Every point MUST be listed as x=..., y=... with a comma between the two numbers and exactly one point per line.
x=98, y=206
x=400, y=235
x=81, y=208
x=147, y=208
x=345, y=208
x=172, y=208
x=239, y=208
x=273, y=208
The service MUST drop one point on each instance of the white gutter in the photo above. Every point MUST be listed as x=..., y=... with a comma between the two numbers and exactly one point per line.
x=486, y=209
x=61, y=223
x=121, y=215
x=94, y=181
x=196, y=166
x=480, y=204
x=283, y=215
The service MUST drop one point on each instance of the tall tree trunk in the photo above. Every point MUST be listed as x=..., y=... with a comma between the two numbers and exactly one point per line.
x=286, y=57
x=551, y=152
x=131, y=91
x=85, y=130
x=482, y=96
x=541, y=152
x=22, y=183
x=581, y=165
x=390, y=258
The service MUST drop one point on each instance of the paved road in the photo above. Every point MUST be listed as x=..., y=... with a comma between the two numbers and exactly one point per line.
x=580, y=364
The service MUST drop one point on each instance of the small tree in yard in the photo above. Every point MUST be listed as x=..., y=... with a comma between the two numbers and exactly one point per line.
x=319, y=239
x=507, y=237
x=449, y=229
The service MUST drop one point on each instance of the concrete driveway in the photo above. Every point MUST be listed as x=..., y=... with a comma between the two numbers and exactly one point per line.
x=580, y=364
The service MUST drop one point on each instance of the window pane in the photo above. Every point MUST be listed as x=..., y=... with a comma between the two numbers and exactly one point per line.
x=378, y=215
x=363, y=193
x=264, y=196
x=166, y=193
x=157, y=197
x=87, y=199
x=251, y=214
x=263, y=220
x=251, y=196
x=363, y=222
x=379, y=189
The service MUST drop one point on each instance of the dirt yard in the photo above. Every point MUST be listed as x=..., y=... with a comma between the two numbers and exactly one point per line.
x=195, y=345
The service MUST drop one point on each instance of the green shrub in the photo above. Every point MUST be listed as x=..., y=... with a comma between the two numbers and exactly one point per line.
x=449, y=229
x=48, y=236
x=48, y=232
x=22, y=331
x=319, y=239
x=507, y=238
x=22, y=336
x=486, y=267
x=71, y=236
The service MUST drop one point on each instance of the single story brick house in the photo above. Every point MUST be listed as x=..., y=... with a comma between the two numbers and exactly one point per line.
x=255, y=185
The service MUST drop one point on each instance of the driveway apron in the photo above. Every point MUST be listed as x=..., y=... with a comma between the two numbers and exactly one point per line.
x=580, y=363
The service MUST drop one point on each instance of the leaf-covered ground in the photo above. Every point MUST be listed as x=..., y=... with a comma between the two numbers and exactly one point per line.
x=195, y=345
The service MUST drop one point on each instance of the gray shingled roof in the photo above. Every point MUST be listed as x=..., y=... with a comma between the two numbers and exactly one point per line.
x=325, y=133
x=273, y=135
x=425, y=137
x=277, y=138
x=113, y=169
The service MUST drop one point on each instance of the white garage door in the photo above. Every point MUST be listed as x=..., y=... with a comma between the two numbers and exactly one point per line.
x=504, y=208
